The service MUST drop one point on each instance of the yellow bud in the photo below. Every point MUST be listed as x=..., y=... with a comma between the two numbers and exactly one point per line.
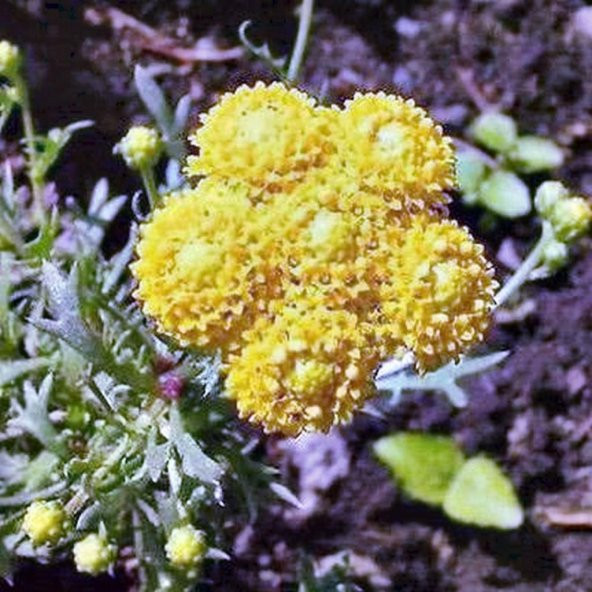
x=186, y=547
x=10, y=59
x=140, y=147
x=93, y=554
x=45, y=522
x=571, y=218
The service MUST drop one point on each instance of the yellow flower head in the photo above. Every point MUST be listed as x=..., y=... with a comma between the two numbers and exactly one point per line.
x=199, y=271
x=310, y=252
x=10, y=59
x=140, y=147
x=186, y=547
x=264, y=135
x=45, y=522
x=394, y=147
x=93, y=554
x=305, y=371
x=440, y=293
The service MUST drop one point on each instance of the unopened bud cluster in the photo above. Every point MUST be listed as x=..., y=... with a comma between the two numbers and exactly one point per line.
x=569, y=217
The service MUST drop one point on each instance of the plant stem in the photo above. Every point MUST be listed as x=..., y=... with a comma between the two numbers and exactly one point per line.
x=29, y=129
x=306, y=10
x=150, y=186
x=528, y=265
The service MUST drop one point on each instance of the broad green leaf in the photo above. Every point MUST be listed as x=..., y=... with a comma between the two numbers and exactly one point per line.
x=495, y=131
x=470, y=172
x=505, y=194
x=423, y=464
x=532, y=154
x=482, y=495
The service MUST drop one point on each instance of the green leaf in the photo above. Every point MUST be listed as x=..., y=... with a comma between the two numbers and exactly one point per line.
x=424, y=464
x=533, y=154
x=5, y=563
x=42, y=245
x=49, y=148
x=495, y=131
x=505, y=194
x=482, y=495
x=470, y=172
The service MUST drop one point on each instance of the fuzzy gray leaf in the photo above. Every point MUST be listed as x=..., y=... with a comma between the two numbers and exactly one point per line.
x=196, y=463
x=444, y=379
x=34, y=417
x=154, y=99
x=10, y=370
x=157, y=456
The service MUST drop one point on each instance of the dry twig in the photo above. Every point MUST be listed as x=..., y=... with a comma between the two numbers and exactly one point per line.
x=149, y=39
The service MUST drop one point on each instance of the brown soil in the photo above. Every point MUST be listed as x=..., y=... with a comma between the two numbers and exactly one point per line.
x=533, y=414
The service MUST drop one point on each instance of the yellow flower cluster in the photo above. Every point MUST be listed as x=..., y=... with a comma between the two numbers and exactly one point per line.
x=314, y=248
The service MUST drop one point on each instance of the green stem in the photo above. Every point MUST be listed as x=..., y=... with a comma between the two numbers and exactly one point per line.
x=528, y=265
x=149, y=181
x=306, y=10
x=29, y=129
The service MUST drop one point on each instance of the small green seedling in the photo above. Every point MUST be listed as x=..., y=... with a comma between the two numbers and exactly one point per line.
x=481, y=494
x=424, y=464
x=433, y=469
x=492, y=181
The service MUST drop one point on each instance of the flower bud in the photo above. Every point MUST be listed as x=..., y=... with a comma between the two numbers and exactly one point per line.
x=547, y=195
x=571, y=218
x=93, y=554
x=10, y=59
x=186, y=547
x=555, y=255
x=140, y=147
x=45, y=522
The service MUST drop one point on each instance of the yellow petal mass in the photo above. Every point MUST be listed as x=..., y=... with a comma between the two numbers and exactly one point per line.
x=312, y=251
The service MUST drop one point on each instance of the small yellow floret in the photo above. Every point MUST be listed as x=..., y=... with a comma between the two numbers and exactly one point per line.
x=440, y=294
x=45, y=522
x=10, y=59
x=265, y=135
x=186, y=547
x=93, y=554
x=394, y=146
x=306, y=371
x=140, y=147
